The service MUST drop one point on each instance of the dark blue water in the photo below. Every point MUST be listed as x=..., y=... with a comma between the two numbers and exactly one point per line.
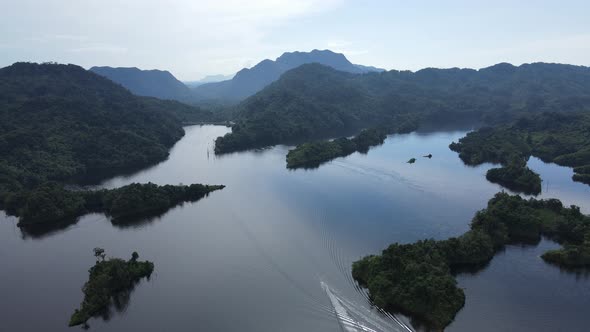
x=253, y=256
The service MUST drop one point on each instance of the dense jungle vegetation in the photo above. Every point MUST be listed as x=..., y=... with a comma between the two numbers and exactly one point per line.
x=51, y=202
x=313, y=154
x=108, y=278
x=516, y=176
x=561, y=138
x=315, y=101
x=61, y=124
x=417, y=279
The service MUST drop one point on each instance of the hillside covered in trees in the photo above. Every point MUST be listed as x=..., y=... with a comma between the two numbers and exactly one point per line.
x=417, y=279
x=150, y=83
x=61, y=124
x=166, y=91
x=561, y=138
x=314, y=101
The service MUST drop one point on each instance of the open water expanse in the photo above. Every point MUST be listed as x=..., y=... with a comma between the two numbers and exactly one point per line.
x=273, y=250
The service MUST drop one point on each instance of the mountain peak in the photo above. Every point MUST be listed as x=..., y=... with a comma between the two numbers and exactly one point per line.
x=335, y=60
x=249, y=81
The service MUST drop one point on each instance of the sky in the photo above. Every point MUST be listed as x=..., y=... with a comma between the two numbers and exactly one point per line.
x=195, y=38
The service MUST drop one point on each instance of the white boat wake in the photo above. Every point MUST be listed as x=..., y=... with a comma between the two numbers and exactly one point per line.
x=352, y=319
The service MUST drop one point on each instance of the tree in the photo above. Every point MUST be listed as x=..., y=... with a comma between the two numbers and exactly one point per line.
x=99, y=252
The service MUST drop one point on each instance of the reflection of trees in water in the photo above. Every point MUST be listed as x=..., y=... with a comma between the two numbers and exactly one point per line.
x=40, y=231
x=129, y=206
x=580, y=273
x=118, y=304
x=141, y=221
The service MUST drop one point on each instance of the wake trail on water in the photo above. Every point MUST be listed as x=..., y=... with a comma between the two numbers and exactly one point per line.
x=350, y=316
x=313, y=301
x=343, y=265
x=352, y=319
x=380, y=174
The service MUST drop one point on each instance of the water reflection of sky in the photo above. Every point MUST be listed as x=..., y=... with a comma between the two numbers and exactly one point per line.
x=251, y=256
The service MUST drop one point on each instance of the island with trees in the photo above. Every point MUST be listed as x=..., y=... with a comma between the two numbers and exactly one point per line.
x=516, y=176
x=561, y=138
x=310, y=155
x=61, y=125
x=314, y=102
x=107, y=279
x=52, y=203
x=313, y=154
x=418, y=279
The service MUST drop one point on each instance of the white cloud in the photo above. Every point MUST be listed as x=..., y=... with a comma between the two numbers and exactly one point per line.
x=194, y=38
x=186, y=36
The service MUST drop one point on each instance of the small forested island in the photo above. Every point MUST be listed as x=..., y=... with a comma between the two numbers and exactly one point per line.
x=51, y=202
x=309, y=155
x=411, y=161
x=418, y=279
x=516, y=176
x=561, y=138
x=107, y=278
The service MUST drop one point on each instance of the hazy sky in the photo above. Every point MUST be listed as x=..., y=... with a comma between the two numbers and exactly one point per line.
x=194, y=38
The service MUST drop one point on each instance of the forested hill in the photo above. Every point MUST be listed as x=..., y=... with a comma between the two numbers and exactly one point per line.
x=63, y=123
x=151, y=83
x=248, y=81
x=314, y=100
x=161, y=85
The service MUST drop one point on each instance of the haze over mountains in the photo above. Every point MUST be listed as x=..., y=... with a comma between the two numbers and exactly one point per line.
x=249, y=81
x=208, y=79
x=307, y=95
x=162, y=84
x=152, y=83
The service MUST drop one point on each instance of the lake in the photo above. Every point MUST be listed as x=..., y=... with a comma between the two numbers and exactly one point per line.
x=273, y=250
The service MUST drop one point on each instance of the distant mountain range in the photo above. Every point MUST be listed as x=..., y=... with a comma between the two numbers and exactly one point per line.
x=208, y=79
x=220, y=88
x=249, y=81
x=152, y=83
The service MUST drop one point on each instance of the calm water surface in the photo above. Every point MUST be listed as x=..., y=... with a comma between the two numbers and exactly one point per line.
x=254, y=256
